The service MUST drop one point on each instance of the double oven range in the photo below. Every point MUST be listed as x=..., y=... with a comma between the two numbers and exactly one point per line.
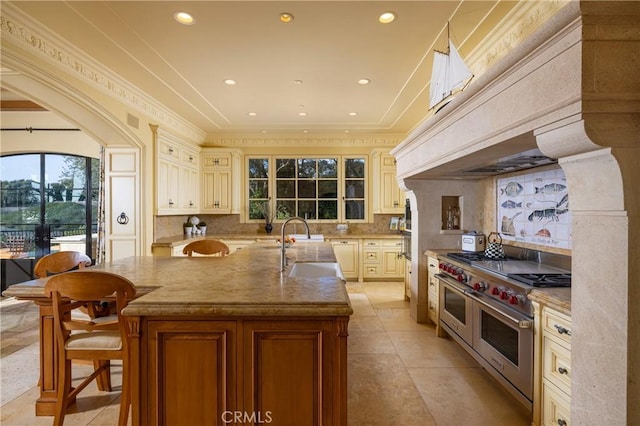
x=484, y=307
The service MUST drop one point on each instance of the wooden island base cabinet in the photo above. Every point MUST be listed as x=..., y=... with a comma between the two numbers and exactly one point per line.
x=197, y=371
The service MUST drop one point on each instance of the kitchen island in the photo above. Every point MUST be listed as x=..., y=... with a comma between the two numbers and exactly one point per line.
x=234, y=339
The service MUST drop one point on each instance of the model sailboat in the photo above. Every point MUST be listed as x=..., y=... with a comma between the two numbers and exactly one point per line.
x=449, y=76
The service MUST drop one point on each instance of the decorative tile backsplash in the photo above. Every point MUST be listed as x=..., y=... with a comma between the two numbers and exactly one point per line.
x=534, y=208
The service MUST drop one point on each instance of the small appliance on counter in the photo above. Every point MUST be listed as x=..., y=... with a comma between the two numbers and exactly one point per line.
x=473, y=241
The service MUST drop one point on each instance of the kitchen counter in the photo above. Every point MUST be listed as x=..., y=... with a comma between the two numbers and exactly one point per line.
x=249, y=281
x=178, y=240
x=558, y=298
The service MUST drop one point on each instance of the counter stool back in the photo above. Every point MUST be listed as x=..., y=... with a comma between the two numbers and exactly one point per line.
x=207, y=247
x=62, y=261
x=89, y=340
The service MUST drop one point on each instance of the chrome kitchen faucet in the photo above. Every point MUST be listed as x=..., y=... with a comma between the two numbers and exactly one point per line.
x=283, y=254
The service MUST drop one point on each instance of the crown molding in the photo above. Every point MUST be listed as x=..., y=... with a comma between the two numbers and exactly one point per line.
x=31, y=37
x=304, y=141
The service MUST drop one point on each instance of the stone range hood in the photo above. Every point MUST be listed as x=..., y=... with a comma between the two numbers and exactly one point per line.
x=571, y=90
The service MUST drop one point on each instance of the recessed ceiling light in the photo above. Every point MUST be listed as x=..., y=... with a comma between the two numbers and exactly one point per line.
x=346, y=131
x=184, y=18
x=353, y=113
x=297, y=81
x=387, y=17
x=302, y=114
x=230, y=82
x=263, y=131
x=252, y=114
x=364, y=81
x=305, y=131
x=286, y=17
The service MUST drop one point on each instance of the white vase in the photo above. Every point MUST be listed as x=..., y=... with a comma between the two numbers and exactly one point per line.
x=203, y=229
x=188, y=230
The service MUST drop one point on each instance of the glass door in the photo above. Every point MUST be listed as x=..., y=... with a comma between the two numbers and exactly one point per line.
x=48, y=203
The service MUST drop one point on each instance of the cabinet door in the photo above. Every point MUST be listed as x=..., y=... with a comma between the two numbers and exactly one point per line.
x=190, y=190
x=290, y=375
x=392, y=260
x=191, y=371
x=392, y=196
x=347, y=253
x=168, y=186
x=216, y=191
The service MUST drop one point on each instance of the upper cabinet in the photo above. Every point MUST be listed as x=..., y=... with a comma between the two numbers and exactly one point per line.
x=177, y=176
x=387, y=196
x=220, y=181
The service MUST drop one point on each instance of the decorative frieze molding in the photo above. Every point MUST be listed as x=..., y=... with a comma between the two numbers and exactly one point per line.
x=29, y=36
x=513, y=30
x=306, y=141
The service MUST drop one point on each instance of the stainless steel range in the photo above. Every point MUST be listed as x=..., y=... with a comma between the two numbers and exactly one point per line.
x=484, y=307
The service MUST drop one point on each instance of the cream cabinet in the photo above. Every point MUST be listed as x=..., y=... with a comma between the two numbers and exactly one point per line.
x=407, y=279
x=177, y=176
x=392, y=260
x=382, y=259
x=347, y=253
x=433, y=294
x=371, y=259
x=553, y=367
x=388, y=198
x=220, y=185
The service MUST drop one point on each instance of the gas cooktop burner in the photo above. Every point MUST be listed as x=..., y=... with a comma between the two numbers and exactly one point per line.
x=543, y=280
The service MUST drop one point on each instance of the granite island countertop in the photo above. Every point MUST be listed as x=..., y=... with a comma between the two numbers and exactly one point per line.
x=178, y=240
x=245, y=283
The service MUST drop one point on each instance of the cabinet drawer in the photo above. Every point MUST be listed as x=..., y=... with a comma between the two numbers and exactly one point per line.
x=433, y=285
x=372, y=271
x=557, y=325
x=371, y=244
x=371, y=256
x=556, y=407
x=391, y=244
x=432, y=307
x=432, y=266
x=557, y=365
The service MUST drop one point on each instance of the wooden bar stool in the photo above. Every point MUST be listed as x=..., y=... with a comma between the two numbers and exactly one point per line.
x=207, y=247
x=99, y=342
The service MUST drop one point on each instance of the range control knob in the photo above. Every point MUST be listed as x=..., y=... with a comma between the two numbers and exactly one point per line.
x=513, y=300
x=480, y=286
x=504, y=295
x=495, y=291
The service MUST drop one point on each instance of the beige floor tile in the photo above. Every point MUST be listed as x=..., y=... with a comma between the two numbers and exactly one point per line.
x=467, y=396
x=369, y=342
x=382, y=393
x=399, y=319
x=361, y=305
x=425, y=349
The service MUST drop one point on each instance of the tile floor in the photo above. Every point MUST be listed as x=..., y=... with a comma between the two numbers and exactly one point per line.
x=400, y=373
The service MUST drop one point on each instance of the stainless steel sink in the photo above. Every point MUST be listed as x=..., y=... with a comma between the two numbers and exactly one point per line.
x=302, y=238
x=316, y=270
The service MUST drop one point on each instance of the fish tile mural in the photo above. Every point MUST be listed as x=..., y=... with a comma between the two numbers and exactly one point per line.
x=534, y=208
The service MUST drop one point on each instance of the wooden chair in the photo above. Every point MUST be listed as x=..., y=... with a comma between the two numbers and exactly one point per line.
x=89, y=340
x=65, y=261
x=208, y=247
x=62, y=261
